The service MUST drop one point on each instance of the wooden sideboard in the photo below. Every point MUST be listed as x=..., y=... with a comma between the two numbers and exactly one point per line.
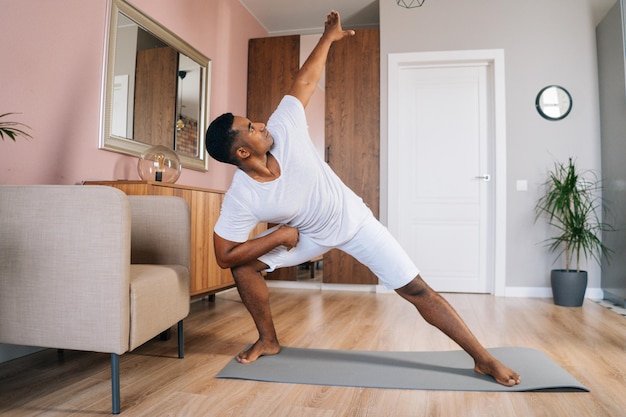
x=206, y=275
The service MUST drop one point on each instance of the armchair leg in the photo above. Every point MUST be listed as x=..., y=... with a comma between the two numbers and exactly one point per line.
x=115, y=383
x=181, y=340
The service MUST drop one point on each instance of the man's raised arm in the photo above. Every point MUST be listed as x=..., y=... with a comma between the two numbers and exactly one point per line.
x=311, y=71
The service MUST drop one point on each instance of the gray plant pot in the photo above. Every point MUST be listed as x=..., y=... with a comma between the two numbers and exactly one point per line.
x=568, y=287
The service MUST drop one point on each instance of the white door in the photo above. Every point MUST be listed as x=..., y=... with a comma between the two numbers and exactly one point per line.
x=443, y=161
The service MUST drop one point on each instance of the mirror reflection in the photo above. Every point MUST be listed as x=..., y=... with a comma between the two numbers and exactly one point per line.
x=157, y=89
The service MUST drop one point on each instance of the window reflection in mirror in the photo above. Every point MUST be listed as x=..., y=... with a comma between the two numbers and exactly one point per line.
x=156, y=91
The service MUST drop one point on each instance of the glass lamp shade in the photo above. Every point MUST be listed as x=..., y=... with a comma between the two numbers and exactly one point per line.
x=159, y=163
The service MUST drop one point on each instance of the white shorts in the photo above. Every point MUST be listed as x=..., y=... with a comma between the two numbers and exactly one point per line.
x=372, y=245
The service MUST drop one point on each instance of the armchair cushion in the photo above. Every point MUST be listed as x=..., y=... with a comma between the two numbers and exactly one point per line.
x=158, y=295
x=160, y=257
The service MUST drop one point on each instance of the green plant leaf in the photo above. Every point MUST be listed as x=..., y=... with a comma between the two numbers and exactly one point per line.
x=12, y=129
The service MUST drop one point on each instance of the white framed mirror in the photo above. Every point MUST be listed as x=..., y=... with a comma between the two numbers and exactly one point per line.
x=156, y=89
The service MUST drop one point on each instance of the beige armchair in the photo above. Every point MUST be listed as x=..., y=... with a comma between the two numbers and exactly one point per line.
x=89, y=268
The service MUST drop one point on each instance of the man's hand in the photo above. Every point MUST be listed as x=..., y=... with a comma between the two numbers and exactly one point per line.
x=289, y=236
x=231, y=254
x=333, y=29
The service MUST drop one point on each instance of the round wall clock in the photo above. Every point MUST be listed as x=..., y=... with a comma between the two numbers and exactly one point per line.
x=553, y=102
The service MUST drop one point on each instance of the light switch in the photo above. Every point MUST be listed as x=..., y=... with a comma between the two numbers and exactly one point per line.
x=521, y=185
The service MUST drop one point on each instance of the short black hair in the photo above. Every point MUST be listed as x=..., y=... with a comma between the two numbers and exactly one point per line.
x=220, y=137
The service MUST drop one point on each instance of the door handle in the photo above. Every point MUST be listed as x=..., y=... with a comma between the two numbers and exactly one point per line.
x=485, y=177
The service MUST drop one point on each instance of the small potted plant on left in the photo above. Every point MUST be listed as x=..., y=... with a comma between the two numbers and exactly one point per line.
x=12, y=129
x=571, y=203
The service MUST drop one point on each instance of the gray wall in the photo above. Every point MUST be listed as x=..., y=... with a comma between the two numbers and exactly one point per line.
x=545, y=42
x=613, y=123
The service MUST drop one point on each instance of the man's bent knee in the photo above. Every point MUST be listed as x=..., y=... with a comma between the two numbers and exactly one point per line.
x=415, y=288
x=253, y=268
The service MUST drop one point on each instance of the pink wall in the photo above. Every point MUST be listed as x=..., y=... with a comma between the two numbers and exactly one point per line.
x=51, y=73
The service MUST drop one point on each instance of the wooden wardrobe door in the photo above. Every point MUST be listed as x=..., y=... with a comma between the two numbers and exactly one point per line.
x=155, y=109
x=272, y=66
x=353, y=134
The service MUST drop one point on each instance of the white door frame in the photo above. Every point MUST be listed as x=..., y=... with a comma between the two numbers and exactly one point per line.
x=494, y=58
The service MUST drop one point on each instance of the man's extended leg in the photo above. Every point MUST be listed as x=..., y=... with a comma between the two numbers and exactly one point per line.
x=375, y=247
x=436, y=311
x=255, y=296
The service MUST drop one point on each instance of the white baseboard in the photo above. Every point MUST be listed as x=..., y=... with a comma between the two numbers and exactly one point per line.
x=546, y=292
x=319, y=286
x=295, y=285
x=530, y=292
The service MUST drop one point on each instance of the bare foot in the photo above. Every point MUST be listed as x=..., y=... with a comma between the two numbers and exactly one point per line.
x=499, y=372
x=258, y=349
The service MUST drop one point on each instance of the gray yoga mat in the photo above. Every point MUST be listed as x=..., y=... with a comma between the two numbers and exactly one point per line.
x=443, y=371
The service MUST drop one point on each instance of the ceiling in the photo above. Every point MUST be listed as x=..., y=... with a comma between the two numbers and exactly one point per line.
x=304, y=17
x=288, y=17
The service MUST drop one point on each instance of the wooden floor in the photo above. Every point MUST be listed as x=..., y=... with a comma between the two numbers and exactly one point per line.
x=589, y=342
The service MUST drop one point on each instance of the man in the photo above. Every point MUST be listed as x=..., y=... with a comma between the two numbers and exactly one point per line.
x=281, y=179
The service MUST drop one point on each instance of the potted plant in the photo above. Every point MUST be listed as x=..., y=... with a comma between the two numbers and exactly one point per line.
x=11, y=129
x=571, y=203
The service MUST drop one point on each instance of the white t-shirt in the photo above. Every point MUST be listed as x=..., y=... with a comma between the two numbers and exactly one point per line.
x=308, y=195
